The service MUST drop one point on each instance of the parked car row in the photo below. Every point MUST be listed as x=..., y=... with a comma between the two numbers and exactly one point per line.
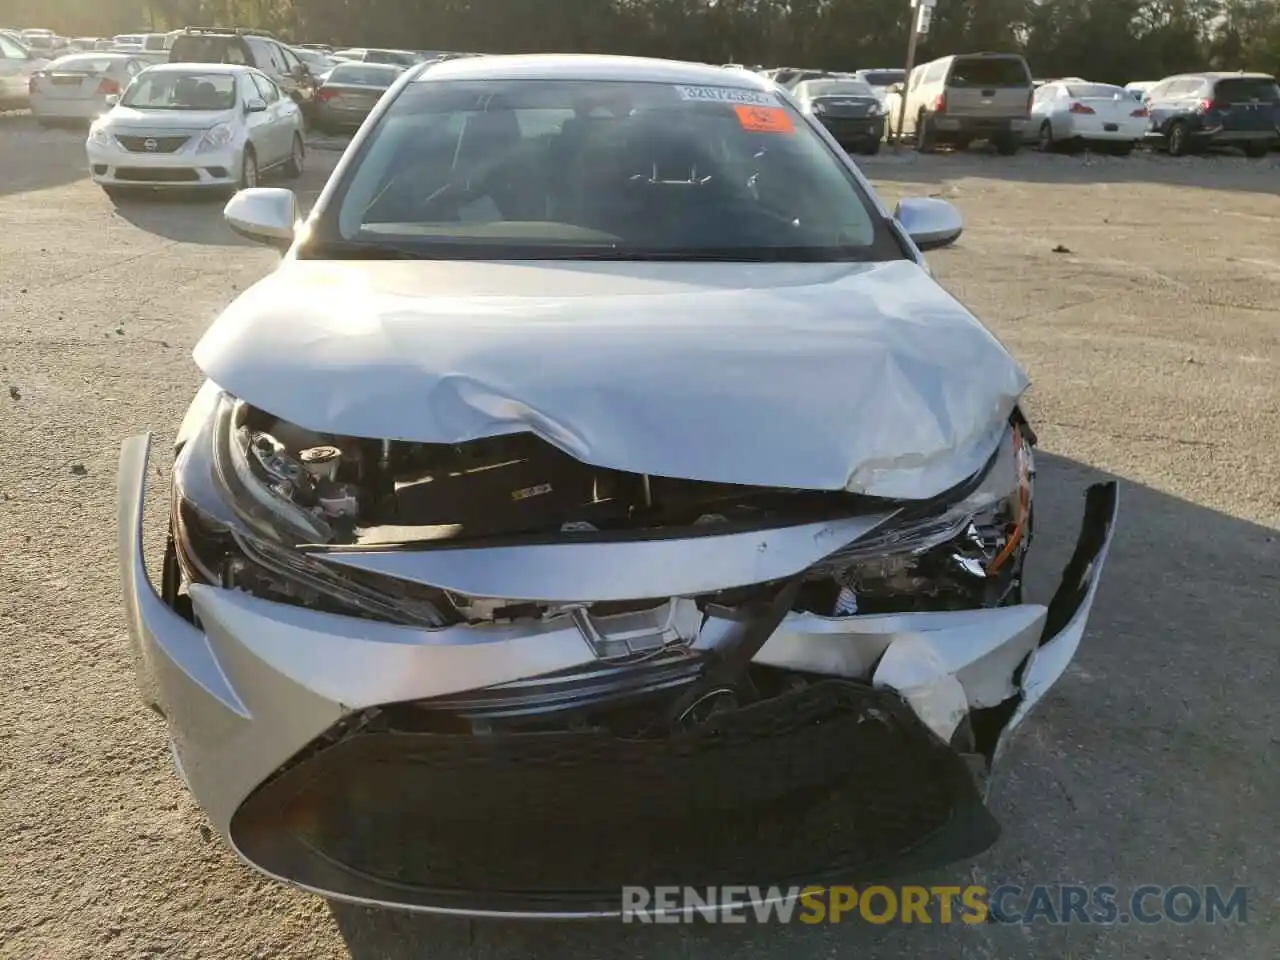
x=961, y=98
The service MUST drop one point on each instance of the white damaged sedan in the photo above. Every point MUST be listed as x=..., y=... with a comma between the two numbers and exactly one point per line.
x=601, y=493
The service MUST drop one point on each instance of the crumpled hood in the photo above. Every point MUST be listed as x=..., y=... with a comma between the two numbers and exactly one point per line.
x=866, y=377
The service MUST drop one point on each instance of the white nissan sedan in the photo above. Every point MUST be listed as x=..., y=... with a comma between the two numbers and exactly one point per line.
x=601, y=493
x=217, y=126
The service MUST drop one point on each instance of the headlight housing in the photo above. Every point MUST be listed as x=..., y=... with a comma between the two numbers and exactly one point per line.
x=968, y=543
x=234, y=526
x=100, y=136
x=217, y=137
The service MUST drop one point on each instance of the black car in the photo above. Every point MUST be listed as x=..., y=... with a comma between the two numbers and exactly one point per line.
x=1196, y=111
x=350, y=92
x=849, y=109
x=253, y=48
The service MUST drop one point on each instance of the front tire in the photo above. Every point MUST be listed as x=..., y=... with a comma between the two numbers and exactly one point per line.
x=869, y=149
x=248, y=170
x=297, y=158
x=1007, y=145
x=1178, y=139
x=1256, y=151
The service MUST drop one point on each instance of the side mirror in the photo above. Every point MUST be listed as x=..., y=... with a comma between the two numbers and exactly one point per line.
x=929, y=222
x=895, y=88
x=255, y=105
x=264, y=214
x=112, y=99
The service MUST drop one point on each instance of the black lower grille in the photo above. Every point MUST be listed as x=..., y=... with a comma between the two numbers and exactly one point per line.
x=158, y=174
x=837, y=782
x=159, y=144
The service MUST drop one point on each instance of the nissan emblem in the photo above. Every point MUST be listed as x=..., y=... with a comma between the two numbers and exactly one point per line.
x=150, y=145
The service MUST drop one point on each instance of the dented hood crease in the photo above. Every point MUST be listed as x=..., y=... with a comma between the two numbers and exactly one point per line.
x=866, y=377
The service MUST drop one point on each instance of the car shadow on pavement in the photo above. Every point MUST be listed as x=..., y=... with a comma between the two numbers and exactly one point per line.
x=194, y=217
x=1147, y=764
x=35, y=158
x=1215, y=171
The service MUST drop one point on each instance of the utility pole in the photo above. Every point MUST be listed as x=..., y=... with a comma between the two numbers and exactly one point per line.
x=921, y=16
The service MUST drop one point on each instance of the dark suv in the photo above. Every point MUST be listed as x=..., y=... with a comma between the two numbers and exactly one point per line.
x=253, y=48
x=1199, y=110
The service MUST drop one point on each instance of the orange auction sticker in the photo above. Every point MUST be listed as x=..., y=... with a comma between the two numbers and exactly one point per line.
x=764, y=119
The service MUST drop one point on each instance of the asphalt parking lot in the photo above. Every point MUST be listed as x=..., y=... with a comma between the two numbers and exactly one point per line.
x=1143, y=296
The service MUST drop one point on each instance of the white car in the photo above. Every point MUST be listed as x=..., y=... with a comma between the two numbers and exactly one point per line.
x=1071, y=113
x=218, y=126
x=601, y=490
x=17, y=64
x=79, y=87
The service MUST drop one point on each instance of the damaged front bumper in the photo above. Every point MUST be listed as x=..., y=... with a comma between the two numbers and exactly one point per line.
x=291, y=728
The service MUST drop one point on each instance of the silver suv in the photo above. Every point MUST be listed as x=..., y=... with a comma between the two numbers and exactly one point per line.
x=965, y=97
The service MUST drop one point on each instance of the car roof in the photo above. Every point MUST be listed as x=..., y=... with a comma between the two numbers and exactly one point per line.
x=96, y=55
x=581, y=66
x=366, y=65
x=199, y=68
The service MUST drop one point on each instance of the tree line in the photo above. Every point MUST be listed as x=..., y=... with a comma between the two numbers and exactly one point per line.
x=1104, y=40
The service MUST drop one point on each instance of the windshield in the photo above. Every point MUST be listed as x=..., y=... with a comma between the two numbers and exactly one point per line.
x=883, y=78
x=608, y=170
x=316, y=61
x=170, y=90
x=364, y=75
x=988, y=72
x=1095, y=90
x=835, y=88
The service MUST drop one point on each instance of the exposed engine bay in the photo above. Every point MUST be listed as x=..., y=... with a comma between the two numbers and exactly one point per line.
x=296, y=491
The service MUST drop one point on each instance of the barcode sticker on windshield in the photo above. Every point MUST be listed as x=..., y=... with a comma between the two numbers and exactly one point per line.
x=764, y=119
x=727, y=95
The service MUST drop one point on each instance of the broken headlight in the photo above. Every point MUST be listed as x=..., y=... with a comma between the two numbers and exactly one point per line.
x=242, y=504
x=961, y=550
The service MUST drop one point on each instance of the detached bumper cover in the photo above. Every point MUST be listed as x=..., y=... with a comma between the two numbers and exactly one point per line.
x=860, y=775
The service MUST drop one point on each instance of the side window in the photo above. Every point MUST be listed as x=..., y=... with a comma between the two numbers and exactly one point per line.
x=291, y=62
x=10, y=50
x=935, y=72
x=276, y=54
x=132, y=67
x=266, y=88
x=916, y=75
x=260, y=51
